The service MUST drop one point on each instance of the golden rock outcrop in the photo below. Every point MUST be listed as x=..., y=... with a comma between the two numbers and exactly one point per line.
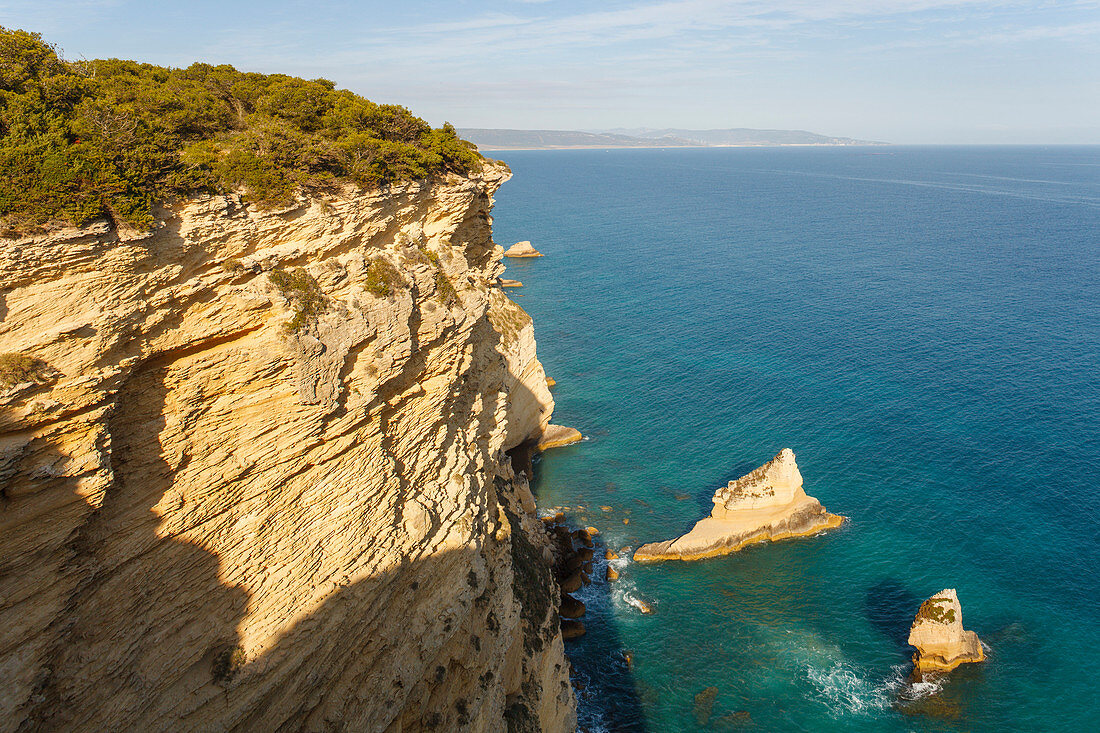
x=767, y=504
x=260, y=482
x=522, y=249
x=938, y=634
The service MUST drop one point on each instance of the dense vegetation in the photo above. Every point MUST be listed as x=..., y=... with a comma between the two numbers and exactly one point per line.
x=80, y=140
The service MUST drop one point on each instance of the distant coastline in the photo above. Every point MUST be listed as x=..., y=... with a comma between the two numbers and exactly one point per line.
x=501, y=148
x=738, y=137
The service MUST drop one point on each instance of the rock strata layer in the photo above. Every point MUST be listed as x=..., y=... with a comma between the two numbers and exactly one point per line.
x=938, y=634
x=522, y=249
x=262, y=484
x=766, y=504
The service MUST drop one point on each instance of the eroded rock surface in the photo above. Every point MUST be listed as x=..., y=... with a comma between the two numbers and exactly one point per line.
x=219, y=513
x=522, y=249
x=556, y=436
x=767, y=504
x=938, y=634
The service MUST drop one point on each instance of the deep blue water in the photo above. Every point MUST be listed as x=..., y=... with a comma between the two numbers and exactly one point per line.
x=921, y=326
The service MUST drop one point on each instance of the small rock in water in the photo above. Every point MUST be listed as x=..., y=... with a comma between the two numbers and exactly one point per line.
x=609, y=555
x=571, y=607
x=704, y=704
x=572, y=583
x=628, y=657
x=592, y=531
x=639, y=604
x=612, y=574
x=734, y=721
x=605, y=508
x=571, y=629
x=626, y=521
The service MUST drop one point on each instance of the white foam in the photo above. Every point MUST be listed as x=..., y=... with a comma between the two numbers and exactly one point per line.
x=846, y=691
x=901, y=687
x=638, y=603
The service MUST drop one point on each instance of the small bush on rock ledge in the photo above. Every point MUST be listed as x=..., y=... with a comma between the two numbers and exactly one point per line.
x=382, y=278
x=302, y=290
x=445, y=290
x=16, y=368
x=227, y=663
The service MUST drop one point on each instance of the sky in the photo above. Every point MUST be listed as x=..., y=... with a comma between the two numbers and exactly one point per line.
x=902, y=71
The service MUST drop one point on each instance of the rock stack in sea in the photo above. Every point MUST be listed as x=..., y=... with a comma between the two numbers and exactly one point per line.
x=766, y=504
x=522, y=249
x=938, y=634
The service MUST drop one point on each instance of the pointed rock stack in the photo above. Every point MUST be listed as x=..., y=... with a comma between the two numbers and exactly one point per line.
x=938, y=634
x=766, y=504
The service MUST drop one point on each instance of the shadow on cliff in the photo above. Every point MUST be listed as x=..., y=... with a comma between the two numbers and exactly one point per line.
x=607, y=692
x=147, y=635
x=127, y=585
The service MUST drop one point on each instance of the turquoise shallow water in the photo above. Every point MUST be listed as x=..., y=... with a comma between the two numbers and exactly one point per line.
x=921, y=326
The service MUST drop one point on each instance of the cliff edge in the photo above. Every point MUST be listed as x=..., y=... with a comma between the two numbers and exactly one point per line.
x=766, y=504
x=256, y=476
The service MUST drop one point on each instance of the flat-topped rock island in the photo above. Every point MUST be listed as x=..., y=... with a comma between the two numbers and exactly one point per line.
x=766, y=504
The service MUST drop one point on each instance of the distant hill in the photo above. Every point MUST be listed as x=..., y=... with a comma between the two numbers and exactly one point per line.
x=489, y=138
x=742, y=136
x=503, y=139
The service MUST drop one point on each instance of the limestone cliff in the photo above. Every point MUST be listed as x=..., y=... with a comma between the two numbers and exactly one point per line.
x=258, y=482
x=768, y=503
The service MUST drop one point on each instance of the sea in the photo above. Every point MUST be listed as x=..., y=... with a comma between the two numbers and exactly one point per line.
x=921, y=325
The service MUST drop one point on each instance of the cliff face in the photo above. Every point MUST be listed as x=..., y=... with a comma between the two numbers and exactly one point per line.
x=211, y=519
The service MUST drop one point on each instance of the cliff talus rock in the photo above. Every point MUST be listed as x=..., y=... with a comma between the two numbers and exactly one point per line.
x=766, y=504
x=249, y=501
x=938, y=634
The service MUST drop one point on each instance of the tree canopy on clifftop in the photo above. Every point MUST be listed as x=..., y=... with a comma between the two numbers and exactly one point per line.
x=81, y=140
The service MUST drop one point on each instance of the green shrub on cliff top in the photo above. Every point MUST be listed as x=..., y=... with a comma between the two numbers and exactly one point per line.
x=111, y=137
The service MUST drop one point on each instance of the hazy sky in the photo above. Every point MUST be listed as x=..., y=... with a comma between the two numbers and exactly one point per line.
x=923, y=71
